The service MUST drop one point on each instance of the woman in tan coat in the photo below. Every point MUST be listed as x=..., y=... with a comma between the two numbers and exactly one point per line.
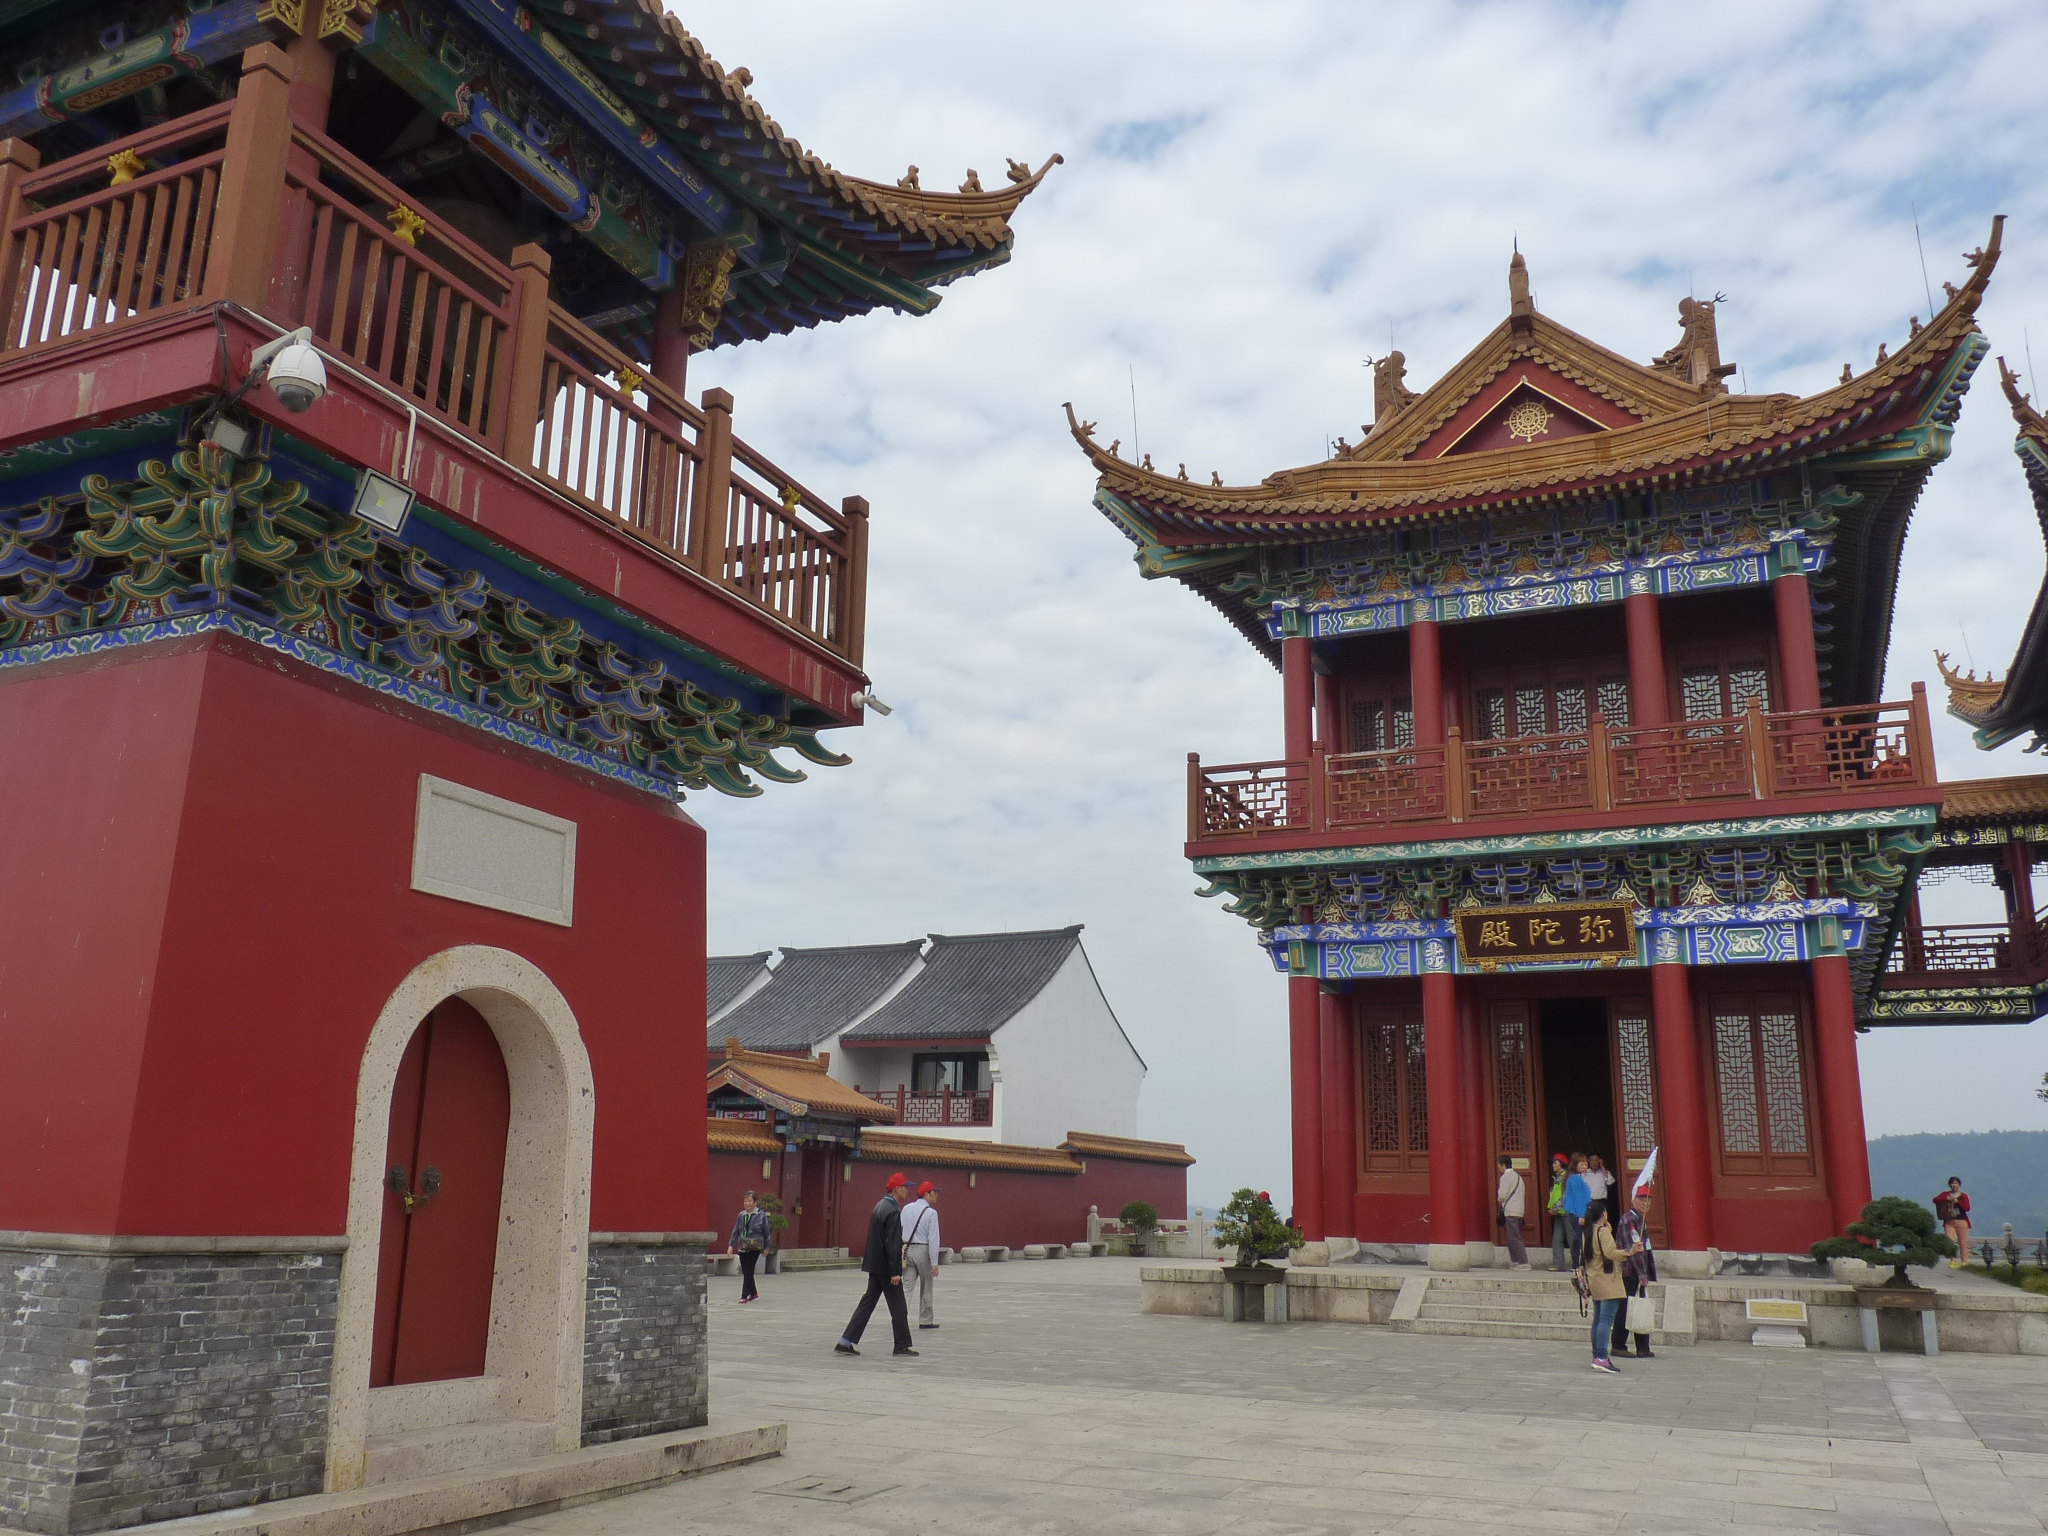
x=1606, y=1286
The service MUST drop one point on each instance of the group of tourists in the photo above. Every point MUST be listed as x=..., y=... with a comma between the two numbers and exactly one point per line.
x=1605, y=1246
x=902, y=1254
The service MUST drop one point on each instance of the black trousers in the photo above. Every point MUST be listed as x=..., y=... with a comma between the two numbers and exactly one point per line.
x=899, y=1314
x=747, y=1263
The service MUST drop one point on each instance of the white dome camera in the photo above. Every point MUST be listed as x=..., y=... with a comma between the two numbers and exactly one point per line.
x=297, y=375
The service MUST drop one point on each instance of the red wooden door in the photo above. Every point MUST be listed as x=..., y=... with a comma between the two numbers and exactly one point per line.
x=450, y=1113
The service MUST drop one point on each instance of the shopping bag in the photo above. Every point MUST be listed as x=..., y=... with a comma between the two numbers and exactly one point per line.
x=1642, y=1315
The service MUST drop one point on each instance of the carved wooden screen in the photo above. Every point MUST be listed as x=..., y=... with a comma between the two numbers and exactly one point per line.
x=1539, y=703
x=1760, y=1078
x=1381, y=718
x=1514, y=1119
x=1396, y=1084
x=1635, y=1080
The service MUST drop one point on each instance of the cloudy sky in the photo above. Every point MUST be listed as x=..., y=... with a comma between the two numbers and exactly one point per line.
x=1257, y=197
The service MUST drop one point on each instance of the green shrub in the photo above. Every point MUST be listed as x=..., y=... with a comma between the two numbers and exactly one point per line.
x=1139, y=1214
x=1249, y=1224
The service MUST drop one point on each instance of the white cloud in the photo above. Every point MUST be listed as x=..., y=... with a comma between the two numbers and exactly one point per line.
x=1253, y=196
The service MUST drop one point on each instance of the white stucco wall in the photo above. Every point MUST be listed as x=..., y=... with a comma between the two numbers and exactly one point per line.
x=1065, y=1065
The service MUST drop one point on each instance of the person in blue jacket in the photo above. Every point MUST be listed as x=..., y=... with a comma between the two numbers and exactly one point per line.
x=1578, y=1195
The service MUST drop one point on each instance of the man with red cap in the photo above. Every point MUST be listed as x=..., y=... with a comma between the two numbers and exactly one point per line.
x=882, y=1262
x=921, y=1250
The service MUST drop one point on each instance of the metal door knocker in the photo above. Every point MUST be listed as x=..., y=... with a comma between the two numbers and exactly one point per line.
x=430, y=1186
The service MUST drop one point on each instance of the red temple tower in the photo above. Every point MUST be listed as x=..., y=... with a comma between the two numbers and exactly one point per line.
x=1590, y=830
x=371, y=596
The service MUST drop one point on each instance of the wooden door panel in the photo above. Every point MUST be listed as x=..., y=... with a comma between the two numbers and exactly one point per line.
x=439, y=1325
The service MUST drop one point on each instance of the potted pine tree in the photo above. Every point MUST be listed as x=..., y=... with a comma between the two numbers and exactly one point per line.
x=1892, y=1231
x=1143, y=1219
x=771, y=1261
x=1250, y=1224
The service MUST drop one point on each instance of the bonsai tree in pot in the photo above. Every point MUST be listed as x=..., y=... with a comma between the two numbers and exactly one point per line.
x=1249, y=1224
x=1892, y=1231
x=1142, y=1219
x=777, y=1225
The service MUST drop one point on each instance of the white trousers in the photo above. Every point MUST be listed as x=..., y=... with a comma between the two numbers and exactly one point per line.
x=919, y=1272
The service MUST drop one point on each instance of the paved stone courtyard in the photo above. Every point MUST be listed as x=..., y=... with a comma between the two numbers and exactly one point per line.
x=1046, y=1403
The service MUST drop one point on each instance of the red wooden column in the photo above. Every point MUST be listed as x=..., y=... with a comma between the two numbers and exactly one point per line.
x=1475, y=1138
x=1426, y=681
x=1340, y=1116
x=1329, y=735
x=1841, y=1089
x=2019, y=901
x=1649, y=693
x=1446, y=1123
x=1304, y=1064
x=1684, y=1171
x=1298, y=695
x=1797, y=658
x=671, y=342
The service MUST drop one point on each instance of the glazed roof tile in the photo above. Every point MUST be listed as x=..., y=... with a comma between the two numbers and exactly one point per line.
x=725, y=1135
x=1088, y=1144
x=2024, y=797
x=796, y=1085
x=727, y=976
x=812, y=994
x=2001, y=711
x=971, y=985
x=879, y=1147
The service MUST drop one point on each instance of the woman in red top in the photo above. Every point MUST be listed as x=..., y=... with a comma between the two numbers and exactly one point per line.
x=1952, y=1209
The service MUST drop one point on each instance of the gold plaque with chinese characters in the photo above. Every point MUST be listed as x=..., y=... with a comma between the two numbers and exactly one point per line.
x=1591, y=930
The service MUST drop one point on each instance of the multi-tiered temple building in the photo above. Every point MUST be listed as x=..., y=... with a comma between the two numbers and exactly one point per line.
x=371, y=595
x=1591, y=829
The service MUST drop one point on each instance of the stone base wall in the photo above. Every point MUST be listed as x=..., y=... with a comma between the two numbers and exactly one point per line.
x=644, y=1367
x=139, y=1386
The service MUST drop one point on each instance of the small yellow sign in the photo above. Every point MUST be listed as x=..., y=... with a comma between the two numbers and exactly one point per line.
x=1775, y=1311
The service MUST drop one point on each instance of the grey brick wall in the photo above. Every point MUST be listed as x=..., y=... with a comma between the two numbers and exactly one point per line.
x=643, y=1340
x=138, y=1387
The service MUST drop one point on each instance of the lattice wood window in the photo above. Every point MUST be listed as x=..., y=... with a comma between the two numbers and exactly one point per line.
x=1635, y=1077
x=1721, y=690
x=1547, y=706
x=1760, y=1077
x=1514, y=1123
x=1381, y=721
x=1396, y=1089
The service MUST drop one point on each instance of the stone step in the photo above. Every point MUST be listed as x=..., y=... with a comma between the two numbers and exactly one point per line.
x=1496, y=1312
x=1577, y=1328
x=416, y=1453
x=792, y=1265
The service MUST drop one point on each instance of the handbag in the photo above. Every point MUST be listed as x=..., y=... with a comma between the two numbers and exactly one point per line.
x=1642, y=1315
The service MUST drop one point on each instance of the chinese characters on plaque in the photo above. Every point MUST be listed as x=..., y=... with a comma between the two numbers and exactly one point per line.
x=1601, y=930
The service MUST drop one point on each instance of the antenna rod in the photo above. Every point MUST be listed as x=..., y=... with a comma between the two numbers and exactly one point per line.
x=1136, y=456
x=1922, y=249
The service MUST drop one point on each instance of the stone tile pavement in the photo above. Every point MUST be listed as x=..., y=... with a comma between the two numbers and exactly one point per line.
x=1046, y=1403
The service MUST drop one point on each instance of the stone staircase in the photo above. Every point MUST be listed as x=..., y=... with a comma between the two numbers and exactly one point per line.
x=1532, y=1305
x=796, y=1260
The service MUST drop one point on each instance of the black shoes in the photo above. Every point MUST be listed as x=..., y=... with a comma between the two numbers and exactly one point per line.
x=1623, y=1351
x=1644, y=1353
x=927, y=1325
x=906, y=1351
x=844, y=1348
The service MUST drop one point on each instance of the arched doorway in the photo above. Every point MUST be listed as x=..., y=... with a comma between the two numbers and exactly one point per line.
x=466, y=1010
x=437, y=1248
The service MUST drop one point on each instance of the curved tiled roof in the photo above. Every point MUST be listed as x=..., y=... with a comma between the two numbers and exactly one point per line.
x=812, y=994
x=2022, y=798
x=971, y=985
x=727, y=976
x=796, y=1085
x=1088, y=1144
x=724, y=1135
x=2002, y=711
x=922, y=239
x=943, y=1152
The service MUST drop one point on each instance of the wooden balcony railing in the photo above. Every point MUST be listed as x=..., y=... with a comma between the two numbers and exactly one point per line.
x=941, y=1106
x=1752, y=757
x=240, y=204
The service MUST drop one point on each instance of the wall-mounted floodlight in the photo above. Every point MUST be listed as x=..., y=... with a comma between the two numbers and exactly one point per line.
x=381, y=500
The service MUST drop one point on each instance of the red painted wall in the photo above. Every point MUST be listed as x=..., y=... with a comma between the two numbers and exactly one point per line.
x=1004, y=1207
x=208, y=856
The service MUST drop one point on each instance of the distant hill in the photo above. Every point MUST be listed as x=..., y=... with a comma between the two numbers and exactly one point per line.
x=2005, y=1172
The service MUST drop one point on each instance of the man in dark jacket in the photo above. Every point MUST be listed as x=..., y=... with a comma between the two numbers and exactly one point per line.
x=882, y=1260
x=1637, y=1271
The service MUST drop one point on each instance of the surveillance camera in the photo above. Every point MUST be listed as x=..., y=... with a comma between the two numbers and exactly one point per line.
x=297, y=376
x=865, y=700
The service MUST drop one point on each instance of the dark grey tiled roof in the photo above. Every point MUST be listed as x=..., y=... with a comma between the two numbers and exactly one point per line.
x=971, y=985
x=812, y=994
x=730, y=975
